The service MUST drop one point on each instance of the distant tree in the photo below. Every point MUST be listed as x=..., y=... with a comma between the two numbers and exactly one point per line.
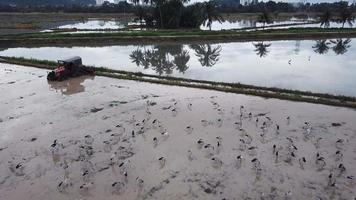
x=211, y=13
x=321, y=46
x=265, y=18
x=261, y=49
x=346, y=16
x=325, y=19
x=207, y=55
x=341, y=46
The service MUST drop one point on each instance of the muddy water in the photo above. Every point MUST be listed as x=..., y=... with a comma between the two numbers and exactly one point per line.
x=93, y=138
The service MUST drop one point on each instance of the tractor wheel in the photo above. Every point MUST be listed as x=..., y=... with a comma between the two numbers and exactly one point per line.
x=51, y=76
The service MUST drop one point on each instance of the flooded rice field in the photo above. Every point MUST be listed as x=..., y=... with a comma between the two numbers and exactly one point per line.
x=325, y=66
x=97, y=24
x=102, y=138
x=250, y=23
x=240, y=24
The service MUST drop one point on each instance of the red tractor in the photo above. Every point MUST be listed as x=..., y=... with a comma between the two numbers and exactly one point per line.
x=68, y=68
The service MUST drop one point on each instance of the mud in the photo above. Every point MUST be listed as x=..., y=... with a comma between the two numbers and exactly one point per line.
x=102, y=138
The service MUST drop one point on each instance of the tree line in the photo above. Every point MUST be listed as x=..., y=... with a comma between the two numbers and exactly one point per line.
x=225, y=6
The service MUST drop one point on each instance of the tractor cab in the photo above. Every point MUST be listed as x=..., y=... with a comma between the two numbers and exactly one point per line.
x=71, y=62
x=67, y=68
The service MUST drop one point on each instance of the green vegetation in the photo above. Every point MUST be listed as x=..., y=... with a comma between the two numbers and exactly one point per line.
x=174, y=35
x=293, y=95
x=173, y=14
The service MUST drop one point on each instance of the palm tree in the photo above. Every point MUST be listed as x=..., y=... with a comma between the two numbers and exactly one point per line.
x=346, y=16
x=321, y=46
x=325, y=19
x=211, y=13
x=341, y=46
x=261, y=49
x=265, y=18
x=207, y=55
x=158, y=4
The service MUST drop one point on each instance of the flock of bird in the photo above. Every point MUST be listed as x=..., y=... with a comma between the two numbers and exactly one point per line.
x=120, y=153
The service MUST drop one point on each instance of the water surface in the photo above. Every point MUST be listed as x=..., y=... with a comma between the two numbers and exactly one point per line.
x=97, y=24
x=325, y=66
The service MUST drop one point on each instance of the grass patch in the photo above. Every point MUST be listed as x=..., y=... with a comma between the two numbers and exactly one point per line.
x=195, y=34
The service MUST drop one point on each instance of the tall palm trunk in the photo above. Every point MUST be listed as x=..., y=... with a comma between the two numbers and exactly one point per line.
x=160, y=15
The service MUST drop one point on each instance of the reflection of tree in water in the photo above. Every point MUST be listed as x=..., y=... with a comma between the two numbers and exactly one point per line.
x=321, y=46
x=162, y=58
x=297, y=47
x=207, y=55
x=341, y=46
x=261, y=49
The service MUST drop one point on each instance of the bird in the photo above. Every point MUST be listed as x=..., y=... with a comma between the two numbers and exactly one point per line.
x=139, y=182
x=290, y=61
x=216, y=162
x=256, y=164
x=189, y=106
x=242, y=145
x=200, y=143
x=239, y=161
x=117, y=186
x=339, y=143
x=277, y=156
x=302, y=162
x=54, y=144
x=320, y=163
x=155, y=141
x=133, y=133
x=341, y=169
x=189, y=129
x=219, y=140
x=190, y=155
x=89, y=139
x=338, y=155
x=331, y=180
x=86, y=186
x=165, y=135
x=162, y=161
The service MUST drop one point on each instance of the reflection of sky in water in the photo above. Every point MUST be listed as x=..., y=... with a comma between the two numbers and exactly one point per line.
x=252, y=23
x=96, y=24
x=238, y=62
